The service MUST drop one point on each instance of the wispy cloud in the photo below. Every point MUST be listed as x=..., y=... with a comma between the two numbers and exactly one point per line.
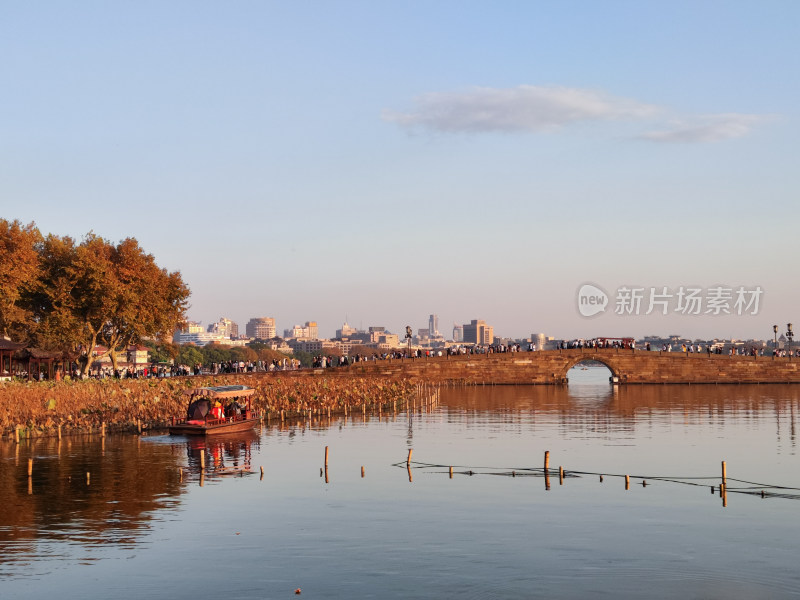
x=535, y=109
x=706, y=128
x=526, y=108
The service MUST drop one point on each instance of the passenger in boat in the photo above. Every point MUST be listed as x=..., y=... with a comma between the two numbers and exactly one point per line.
x=217, y=411
x=233, y=409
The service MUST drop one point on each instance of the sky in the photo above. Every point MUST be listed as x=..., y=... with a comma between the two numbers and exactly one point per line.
x=377, y=162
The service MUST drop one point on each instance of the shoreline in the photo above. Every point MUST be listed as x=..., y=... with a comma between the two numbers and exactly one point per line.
x=70, y=407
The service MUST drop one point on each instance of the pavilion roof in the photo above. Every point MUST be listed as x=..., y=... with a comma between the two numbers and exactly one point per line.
x=39, y=354
x=9, y=345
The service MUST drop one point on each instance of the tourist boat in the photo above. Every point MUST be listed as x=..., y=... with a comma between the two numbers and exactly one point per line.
x=216, y=410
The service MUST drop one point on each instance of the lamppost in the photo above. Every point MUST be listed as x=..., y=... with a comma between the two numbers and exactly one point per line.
x=789, y=333
x=775, y=331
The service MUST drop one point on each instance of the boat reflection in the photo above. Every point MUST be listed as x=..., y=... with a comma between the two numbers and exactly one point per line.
x=221, y=454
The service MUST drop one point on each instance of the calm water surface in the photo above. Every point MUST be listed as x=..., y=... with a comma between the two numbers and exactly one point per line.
x=146, y=524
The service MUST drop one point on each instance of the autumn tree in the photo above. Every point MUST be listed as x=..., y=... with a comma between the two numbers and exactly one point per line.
x=145, y=300
x=19, y=272
x=97, y=293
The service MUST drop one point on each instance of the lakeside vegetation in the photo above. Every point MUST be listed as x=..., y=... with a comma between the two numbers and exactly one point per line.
x=40, y=408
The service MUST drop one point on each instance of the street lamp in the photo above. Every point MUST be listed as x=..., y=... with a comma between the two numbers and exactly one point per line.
x=789, y=333
x=775, y=331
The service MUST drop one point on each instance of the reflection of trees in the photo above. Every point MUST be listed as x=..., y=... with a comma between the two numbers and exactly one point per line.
x=130, y=480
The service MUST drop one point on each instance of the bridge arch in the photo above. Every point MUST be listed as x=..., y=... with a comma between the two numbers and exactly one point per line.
x=604, y=360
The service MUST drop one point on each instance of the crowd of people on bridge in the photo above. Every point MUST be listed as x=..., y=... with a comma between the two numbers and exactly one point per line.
x=325, y=361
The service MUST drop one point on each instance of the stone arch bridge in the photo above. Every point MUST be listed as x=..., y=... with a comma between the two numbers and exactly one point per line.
x=551, y=367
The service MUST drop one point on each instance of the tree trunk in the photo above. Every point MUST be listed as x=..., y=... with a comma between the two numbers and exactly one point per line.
x=91, y=342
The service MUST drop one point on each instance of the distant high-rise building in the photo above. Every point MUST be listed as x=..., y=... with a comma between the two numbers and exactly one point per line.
x=458, y=333
x=224, y=327
x=539, y=339
x=262, y=328
x=309, y=331
x=478, y=332
x=192, y=327
x=433, y=326
x=346, y=331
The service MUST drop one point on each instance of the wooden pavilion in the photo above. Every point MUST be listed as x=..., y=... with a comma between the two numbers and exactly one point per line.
x=16, y=358
x=7, y=351
x=38, y=361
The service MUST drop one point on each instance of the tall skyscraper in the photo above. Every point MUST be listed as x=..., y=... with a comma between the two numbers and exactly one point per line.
x=433, y=325
x=458, y=333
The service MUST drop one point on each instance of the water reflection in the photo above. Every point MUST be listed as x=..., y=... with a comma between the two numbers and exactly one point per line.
x=221, y=454
x=596, y=406
x=101, y=492
x=443, y=524
x=87, y=492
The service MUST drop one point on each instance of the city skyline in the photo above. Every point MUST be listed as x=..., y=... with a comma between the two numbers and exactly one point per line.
x=347, y=329
x=315, y=161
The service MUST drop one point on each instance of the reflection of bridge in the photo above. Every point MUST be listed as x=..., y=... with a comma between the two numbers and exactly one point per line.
x=550, y=367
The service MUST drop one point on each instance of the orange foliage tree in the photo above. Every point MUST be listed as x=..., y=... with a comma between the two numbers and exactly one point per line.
x=100, y=293
x=19, y=272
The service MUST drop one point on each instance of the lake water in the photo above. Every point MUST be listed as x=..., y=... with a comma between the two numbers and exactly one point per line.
x=146, y=524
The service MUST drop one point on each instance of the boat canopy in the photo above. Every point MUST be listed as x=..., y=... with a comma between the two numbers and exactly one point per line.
x=221, y=391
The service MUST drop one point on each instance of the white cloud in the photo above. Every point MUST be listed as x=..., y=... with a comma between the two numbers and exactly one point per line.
x=707, y=128
x=525, y=108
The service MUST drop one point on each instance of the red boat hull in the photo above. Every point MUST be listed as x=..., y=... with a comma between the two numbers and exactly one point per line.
x=213, y=429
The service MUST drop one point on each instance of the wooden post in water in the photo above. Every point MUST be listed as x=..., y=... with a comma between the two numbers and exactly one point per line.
x=546, y=460
x=16, y=433
x=262, y=472
x=451, y=472
x=627, y=481
x=408, y=460
x=326, y=456
x=30, y=467
x=88, y=478
x=547, y=480
x=560, y=475
x=103, y=429
x=724, y=473
x=362, y=471
x=59, y=431
x=203, y=460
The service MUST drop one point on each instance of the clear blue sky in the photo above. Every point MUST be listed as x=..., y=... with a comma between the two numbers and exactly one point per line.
x=382, y=161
